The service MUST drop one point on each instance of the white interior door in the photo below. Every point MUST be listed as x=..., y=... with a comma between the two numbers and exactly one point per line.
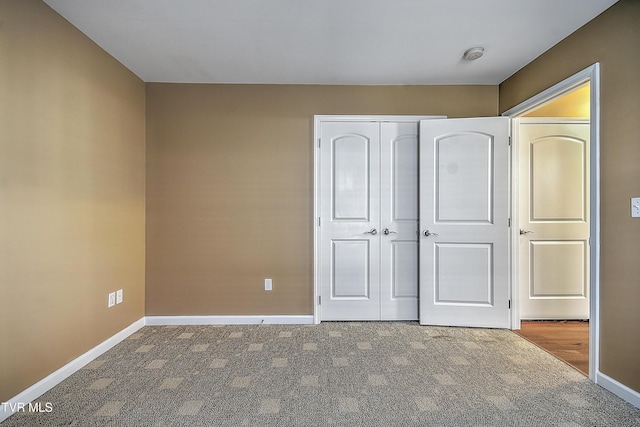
x=399, y=221
x=464, y=229
x=554, y=218
x=350, y=220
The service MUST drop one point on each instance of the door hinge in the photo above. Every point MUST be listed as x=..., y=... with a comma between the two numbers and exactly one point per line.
x=319, y=300
x=509, y=140
x=509, y=222
x=318, y=221
x=318, y=142
x=509, y=304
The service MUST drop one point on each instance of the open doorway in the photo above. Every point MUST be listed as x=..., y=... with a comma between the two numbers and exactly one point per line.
x=554, y=226
x=556, y=216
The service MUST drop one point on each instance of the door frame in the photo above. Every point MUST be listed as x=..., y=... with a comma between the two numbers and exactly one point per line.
x=317, y=120
x=590, y=74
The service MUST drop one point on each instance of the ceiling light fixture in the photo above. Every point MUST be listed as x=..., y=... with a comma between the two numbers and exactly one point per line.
x=473, y=53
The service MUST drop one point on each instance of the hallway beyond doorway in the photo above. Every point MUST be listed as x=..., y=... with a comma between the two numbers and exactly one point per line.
x=568, y=340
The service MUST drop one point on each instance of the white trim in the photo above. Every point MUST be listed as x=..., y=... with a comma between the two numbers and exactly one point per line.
x=228, y=320
x=592, y=75
x=315, y=146
x=513, y=212
x=52, y=380
x=594, y=312
x=619, y=389
x=378, y=119
x=554, y=120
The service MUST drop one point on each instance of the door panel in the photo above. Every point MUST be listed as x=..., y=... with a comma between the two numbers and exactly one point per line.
x=404, y=280
x=553, y=205
x=558, y=159
x=400, y=142
x=351, y=183
x=464, y=181
x=464, y=172
x=463, y=274
x=399, y=216
x=350, y=265
x=349, y=250
x=558, y=269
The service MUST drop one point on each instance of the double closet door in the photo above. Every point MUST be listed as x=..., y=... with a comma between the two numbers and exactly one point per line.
x=368, y=225
x=414, y=221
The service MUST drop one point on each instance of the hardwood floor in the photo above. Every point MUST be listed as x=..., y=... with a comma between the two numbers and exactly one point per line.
x=567, y=340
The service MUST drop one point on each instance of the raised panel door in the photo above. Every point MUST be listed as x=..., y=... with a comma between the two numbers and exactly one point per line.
x=350, y=211
x=554, y=208
x=464, y=177
x=399, y=221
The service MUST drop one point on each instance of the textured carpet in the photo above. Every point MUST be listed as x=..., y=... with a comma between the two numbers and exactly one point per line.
x=332, y=374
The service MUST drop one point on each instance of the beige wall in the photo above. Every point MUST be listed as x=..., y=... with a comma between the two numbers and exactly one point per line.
x=72, y=141
x=230, y=187
x=613, y=39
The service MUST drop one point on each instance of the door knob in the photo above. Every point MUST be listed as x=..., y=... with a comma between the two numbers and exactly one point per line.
x=386, y=232
x=525, y=231
x=427, y=233
x=373, y=232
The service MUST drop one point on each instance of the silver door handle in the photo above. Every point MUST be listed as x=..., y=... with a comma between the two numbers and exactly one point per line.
x=373, y=231
x=386, y=232
x=427, y=233
x=525, y=232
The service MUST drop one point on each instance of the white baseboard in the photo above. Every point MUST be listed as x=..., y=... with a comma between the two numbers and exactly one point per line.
x=52, y=380
x=228, y=320
x=619, y=389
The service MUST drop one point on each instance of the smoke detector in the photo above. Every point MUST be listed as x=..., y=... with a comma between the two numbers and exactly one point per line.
x=473, y=53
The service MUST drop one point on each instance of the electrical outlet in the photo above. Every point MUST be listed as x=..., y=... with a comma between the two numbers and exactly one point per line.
x=268, y=284
x=112, y=300
x=119, y=296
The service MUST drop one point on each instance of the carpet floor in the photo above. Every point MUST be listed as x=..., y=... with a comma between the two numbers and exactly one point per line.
x=332, y=374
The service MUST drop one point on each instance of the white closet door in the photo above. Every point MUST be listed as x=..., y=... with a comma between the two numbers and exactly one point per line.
x=554, y=219
x=350, y=215
x=464, y=181
x=399, y=221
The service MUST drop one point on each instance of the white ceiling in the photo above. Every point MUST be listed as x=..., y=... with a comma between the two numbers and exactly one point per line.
x=375, y=42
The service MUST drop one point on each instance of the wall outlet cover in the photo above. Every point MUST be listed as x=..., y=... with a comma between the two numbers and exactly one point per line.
x=112, y=300
x=119, y=296
x=268, y=284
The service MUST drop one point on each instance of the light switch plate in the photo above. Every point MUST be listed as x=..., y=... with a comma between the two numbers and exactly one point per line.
x=635, y=207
